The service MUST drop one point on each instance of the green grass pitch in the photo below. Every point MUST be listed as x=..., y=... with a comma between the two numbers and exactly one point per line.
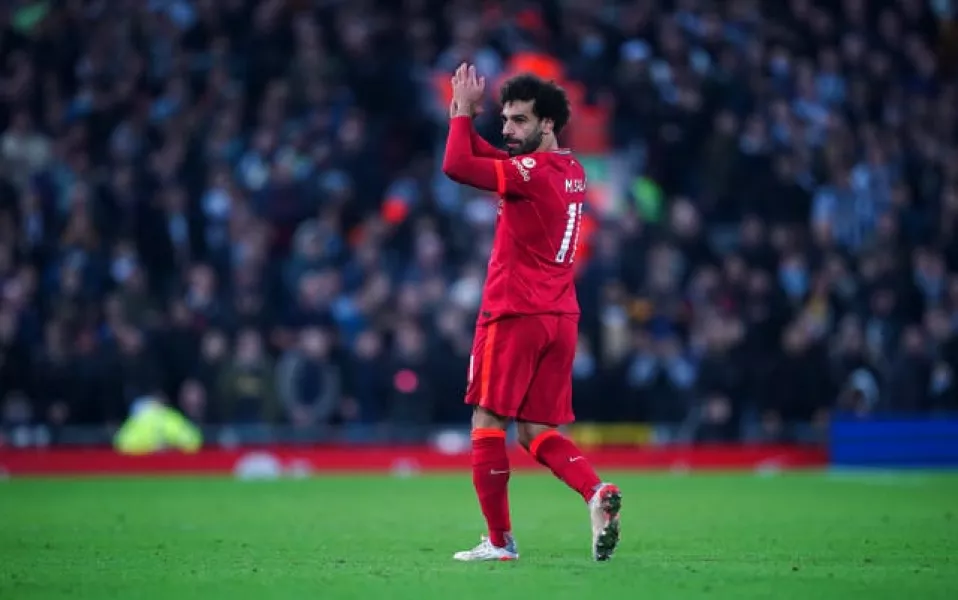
x=804, y=536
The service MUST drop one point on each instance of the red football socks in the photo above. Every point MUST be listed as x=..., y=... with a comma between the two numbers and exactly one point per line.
x=490, y=476
x=566, y=462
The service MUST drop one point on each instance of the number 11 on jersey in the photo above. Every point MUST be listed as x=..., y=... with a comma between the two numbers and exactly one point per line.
x=570, y=237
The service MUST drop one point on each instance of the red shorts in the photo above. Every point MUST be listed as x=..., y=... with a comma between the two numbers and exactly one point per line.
x=521, y=368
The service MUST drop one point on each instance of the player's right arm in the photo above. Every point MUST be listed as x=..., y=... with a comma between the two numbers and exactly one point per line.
x=460, y=163
x=508, y=178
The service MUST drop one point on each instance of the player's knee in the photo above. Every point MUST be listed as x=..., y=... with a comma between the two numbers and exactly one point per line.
x=528, y=432
x=525, y=438
x=484, y=419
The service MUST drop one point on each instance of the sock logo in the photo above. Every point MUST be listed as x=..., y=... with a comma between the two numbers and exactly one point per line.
x=575, y=458
x=495, y=472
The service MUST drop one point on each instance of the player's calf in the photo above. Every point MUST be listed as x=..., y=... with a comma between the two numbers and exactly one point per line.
x=553, y=450
x=566, y=462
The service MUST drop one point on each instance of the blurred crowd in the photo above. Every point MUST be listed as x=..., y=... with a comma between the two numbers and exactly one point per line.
x=236, y=205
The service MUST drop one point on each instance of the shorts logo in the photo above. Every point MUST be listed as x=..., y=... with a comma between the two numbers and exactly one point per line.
x=528, y=162
x=522, y=170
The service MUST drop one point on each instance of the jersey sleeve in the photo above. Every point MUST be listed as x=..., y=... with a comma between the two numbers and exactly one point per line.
x=459, y=162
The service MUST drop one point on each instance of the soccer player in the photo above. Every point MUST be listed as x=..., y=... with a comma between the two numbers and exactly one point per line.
x=520, y=368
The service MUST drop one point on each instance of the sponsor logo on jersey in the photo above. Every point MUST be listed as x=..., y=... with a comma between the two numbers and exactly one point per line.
x=522, y=170
x=528, y=162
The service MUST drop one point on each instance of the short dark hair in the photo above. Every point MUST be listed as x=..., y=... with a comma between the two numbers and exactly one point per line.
x=549, y=100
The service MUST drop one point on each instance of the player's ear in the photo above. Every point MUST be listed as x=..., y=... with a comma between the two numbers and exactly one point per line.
x=548, y=125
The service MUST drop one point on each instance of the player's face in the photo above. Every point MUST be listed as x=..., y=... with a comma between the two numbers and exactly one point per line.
x=521, y=129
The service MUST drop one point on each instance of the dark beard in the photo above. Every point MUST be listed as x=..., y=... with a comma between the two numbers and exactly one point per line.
x=527, y=147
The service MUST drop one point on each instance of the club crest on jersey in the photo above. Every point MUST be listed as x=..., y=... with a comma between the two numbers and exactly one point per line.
x=521, y=167
x=528, y=162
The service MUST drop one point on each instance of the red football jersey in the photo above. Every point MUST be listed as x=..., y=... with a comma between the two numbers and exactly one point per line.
x=537, y=232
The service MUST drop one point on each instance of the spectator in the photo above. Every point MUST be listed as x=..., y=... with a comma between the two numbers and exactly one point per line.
x=307, y=382
x=246, y=385
x=411, y=397
x=368, y=381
